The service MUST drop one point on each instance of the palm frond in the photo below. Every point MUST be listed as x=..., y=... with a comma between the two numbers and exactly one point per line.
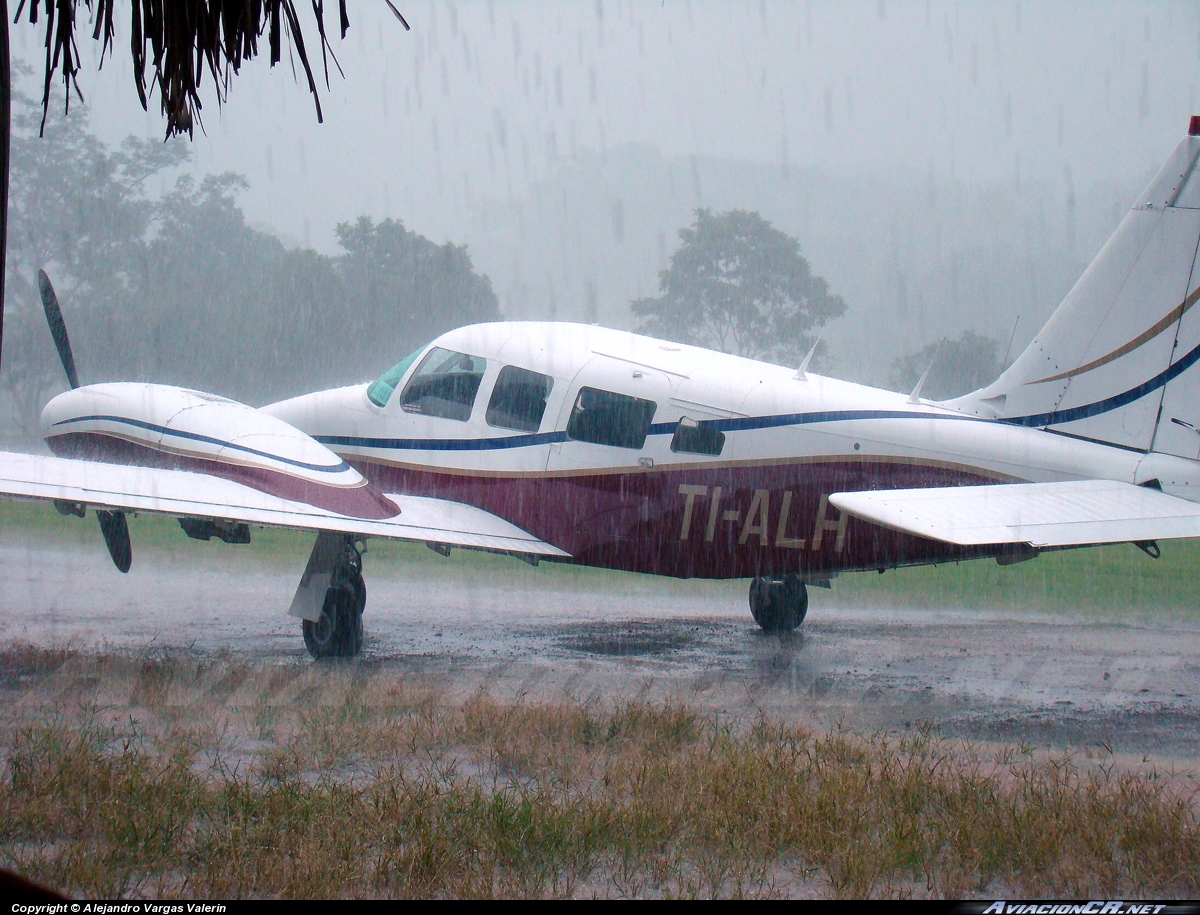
x=176, y=41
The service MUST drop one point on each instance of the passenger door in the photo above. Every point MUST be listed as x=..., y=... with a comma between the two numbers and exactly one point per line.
x=606, y=496
x=592, y=452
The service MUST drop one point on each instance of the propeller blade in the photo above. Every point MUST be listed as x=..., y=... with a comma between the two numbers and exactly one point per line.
x=115, y=529
x=58, y=330
x=113, y=525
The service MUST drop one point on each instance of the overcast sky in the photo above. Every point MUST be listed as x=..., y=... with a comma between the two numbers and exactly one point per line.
x=480, y=100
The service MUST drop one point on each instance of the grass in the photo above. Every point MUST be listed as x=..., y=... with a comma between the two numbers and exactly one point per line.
x=1110, y=580
x=1115, y=580
x=148, y=775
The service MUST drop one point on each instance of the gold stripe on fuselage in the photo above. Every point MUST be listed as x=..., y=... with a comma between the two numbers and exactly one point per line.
x=365, y=461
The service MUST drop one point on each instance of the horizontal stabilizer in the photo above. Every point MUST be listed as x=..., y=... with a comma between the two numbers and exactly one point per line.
x=1074, y=513
x=196, y=495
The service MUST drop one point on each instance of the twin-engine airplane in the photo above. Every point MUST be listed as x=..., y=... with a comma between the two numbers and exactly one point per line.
x=581, y=444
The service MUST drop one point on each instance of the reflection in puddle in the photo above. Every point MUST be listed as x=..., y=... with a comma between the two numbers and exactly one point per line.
x=775, y=657
x=627, y=640
x=784, y=642
x=766, y=652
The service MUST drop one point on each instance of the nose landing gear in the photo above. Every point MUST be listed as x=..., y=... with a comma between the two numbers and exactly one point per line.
x=331, y=598
x=338, y=631
x=778, y=604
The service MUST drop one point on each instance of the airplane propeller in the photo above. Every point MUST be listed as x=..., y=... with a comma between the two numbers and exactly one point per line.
x=58, y=328
x=113, y=525
x=115, y=529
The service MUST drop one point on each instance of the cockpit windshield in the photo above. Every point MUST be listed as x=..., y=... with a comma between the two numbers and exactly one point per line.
x=444, y=385
x=381, y=391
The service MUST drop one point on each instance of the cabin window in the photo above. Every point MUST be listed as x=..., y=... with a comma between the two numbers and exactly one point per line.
x=605, y=418
x=692, y=437
x=444, y=385
x=519, y=399
x=381, y=391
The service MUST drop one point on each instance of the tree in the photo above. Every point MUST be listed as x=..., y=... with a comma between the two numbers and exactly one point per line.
x=403, y=289
x=227, y=308
x=955, y=367
x=181, y=290
x=738, y=284
x=77, y=210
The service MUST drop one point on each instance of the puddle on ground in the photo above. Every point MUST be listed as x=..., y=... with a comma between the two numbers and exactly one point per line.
x=627, y=640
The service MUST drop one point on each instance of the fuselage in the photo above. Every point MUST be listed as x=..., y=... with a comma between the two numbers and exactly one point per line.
x=645, y=455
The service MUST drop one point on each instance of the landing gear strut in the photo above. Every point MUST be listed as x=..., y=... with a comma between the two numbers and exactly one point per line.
x=336, y=629
x=778, y=604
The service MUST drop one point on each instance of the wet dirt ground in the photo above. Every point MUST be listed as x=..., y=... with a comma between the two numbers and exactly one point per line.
x=1132, y=687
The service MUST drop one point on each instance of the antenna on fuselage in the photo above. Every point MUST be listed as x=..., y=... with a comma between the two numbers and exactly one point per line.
x=915, y=396
x=802, y=372
x=1011, y=337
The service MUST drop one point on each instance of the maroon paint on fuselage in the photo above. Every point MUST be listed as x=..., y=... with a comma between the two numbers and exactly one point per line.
x=634, y=520
x=364, y=502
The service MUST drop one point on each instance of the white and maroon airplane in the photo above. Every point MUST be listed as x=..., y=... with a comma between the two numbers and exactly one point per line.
x=582, y=444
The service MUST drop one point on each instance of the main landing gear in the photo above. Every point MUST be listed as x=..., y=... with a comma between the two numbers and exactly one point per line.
x=778, y=604
x=331, y=598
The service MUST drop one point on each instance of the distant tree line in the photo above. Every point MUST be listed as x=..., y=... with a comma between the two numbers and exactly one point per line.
x=179, y=289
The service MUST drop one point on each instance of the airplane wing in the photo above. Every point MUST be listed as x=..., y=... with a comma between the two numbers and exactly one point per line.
x=198, y=495
x=1074, y=513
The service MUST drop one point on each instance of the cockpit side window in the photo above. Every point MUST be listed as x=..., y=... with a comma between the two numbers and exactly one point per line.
x=519, y=399
x=444, y=385
x=605, y=418
x=381, y=391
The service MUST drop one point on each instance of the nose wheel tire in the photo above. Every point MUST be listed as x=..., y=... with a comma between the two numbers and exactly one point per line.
x=338, y=631
x=778, y=604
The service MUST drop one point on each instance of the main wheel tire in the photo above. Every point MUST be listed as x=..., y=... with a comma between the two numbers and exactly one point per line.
x=338, y=632
x=321, y=636
x=778, y=604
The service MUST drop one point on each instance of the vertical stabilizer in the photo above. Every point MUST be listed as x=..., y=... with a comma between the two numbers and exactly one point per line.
x=1123, y=342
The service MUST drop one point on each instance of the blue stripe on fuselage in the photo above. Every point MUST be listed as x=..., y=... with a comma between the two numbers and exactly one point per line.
x=737, y=424
x=443, y=444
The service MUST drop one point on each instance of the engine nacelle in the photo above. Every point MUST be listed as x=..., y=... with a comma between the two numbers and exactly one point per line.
x=156, y=425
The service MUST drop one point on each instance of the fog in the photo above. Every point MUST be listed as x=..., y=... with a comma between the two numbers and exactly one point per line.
x=946, y=166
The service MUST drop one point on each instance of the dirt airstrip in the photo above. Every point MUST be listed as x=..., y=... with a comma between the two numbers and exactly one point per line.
x=1129, y=686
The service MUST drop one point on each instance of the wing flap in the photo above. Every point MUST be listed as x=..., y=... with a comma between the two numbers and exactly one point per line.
x=1072, y=513
x=188, y=494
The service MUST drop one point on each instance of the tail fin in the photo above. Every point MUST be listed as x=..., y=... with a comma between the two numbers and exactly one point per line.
x=1115, y=361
